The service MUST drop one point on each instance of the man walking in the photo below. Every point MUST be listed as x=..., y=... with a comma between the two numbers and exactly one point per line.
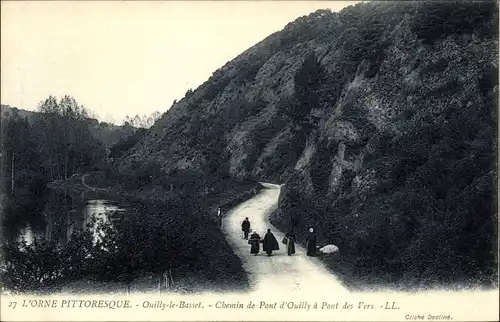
x=245, y=226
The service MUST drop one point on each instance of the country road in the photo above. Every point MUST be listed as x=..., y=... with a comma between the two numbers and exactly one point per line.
x=280, y=272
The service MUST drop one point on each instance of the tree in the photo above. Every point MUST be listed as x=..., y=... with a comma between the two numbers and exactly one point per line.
x=143, y=121
x=65, y=142
x=18, y=149
x=125, y=144
x=310, y=79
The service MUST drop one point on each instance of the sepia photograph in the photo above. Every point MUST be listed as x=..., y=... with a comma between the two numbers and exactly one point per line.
x=249, y=160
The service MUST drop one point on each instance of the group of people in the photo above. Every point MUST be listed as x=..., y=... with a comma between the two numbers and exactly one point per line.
x=270, y=244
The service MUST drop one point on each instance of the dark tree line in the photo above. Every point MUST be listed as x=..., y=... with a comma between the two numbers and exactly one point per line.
x=144, y=121
x=56, y=144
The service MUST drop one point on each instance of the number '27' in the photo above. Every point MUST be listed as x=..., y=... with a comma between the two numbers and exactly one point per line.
x=12, y=305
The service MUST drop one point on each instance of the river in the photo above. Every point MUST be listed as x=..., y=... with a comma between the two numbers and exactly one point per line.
x=56, y=214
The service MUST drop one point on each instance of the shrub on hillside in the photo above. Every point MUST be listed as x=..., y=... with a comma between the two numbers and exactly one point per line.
x=437, y=20
x=126, y=144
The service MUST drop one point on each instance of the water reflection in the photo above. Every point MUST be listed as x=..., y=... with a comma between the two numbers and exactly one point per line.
x=61, y=215
x=102, y=210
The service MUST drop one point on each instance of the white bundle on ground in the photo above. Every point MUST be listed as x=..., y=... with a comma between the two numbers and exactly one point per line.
x=328, y=249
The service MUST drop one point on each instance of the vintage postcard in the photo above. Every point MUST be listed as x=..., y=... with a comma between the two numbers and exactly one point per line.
x=249, y=161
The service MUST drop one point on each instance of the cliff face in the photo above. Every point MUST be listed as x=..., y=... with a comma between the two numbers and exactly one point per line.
x=380, y=119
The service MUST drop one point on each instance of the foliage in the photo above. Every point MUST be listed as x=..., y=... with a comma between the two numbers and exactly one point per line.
x=54, y=144
x=322, y=165
x=434, y=179
x=151, y=238
x=309, y=89
x=248, y=69
x=422, y=206
x=139, y=175
x=19, y=150
x=126, y=144
x=214, y=86
x=439, y=19
x=260, y=137
x=31, y=266
x=65, y=143
x=143, y=122
x=276, y=166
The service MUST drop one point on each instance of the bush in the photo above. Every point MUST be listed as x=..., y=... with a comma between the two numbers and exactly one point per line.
x=149, y=240
x=126, y=144
x=437, y=20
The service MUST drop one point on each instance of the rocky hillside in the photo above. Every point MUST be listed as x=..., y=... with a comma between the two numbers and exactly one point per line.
x=380, y=119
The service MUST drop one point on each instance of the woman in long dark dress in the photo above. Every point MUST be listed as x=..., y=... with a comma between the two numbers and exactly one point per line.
x=254, y=241
x=290, y=243
x=311, y=241
x=270, y=243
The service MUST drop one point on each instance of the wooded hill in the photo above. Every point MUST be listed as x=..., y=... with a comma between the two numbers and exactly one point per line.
x=381, y=122
x=109, y=134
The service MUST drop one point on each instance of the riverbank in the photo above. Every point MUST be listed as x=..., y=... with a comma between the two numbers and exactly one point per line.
x=169, y=232
x=225, y=272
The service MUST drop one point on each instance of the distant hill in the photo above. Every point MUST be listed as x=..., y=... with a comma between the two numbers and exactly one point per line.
x=108, y=134
x=7, y=111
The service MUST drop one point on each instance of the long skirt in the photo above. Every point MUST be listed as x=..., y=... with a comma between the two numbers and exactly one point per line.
x=311, y=248
x=255, y=248
x=290, y=246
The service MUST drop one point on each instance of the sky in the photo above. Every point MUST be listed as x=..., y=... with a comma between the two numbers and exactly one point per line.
x=121, y=58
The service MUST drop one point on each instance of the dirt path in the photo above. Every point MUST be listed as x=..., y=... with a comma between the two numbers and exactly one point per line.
x=278, y=273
